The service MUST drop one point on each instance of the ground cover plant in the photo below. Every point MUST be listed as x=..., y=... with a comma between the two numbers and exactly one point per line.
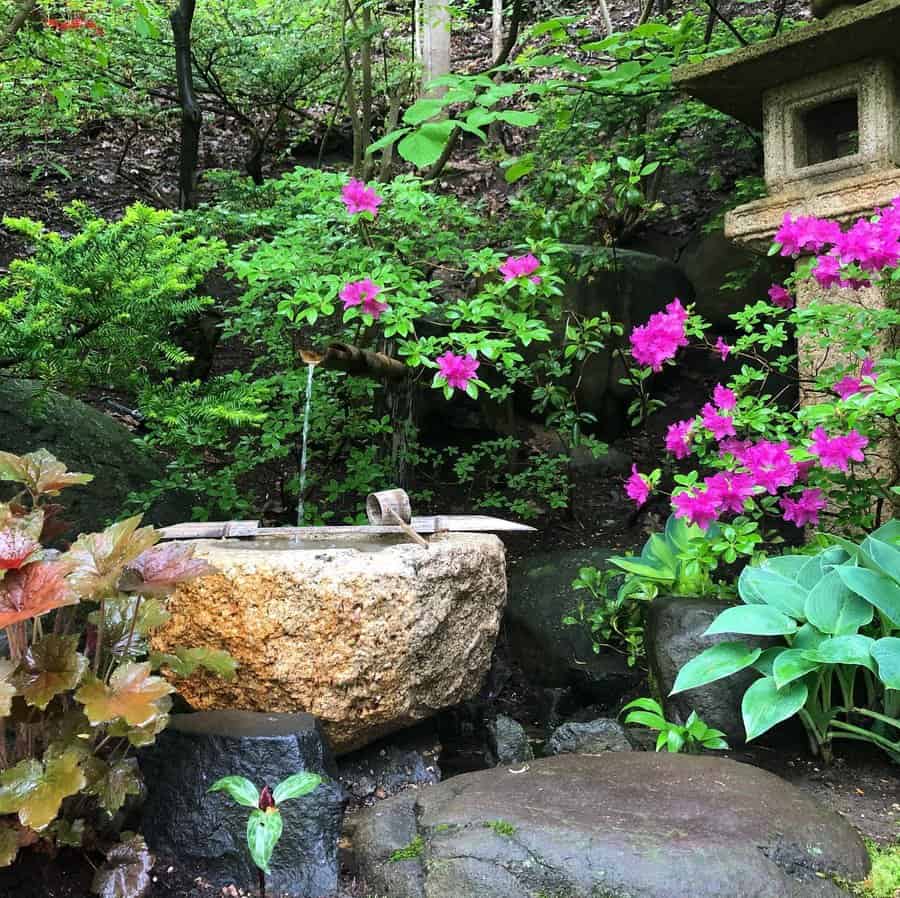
x=79, y=691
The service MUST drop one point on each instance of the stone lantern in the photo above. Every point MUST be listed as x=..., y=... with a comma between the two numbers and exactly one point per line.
x=827, y=100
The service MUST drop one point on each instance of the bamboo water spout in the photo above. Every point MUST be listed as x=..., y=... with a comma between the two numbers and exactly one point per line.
x=356, y=361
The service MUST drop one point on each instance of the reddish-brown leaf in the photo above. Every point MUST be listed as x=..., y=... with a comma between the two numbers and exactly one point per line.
x=160, y=569
x=99, y=558
x=40, y=471
x=34, y=590
x=133, y=694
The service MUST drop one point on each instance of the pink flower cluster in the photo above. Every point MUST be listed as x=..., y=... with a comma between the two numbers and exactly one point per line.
x=638, y=487
x=359, y=198
x=781, y=297
x=519, y=267
x=837, y=452
x=363, y=293
x=661, y=337
x=850, y=386
x=457, y=370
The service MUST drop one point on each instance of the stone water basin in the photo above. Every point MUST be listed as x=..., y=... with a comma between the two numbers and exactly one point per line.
x=369, y=634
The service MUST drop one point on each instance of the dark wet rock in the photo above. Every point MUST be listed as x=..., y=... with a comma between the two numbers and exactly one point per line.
x=508, y=742
x=623, y=825
x=590, y=738
x=554, y=654
x=388, y=767
x=673, y=635
x=87, y=441
x=182, y=820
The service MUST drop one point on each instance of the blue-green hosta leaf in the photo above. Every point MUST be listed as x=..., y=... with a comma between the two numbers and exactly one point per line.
x=239, y=788
x=753, y=620
x=716, y=662
x=886, y=653
x=765, y=705
x=775, y=589
x=766, y=660
x=295, y=786
x=656, y=548
x=834, y=609
x=886, y=556
x=807, y=637
x=656, y=571
x=854, y=649
x=263, y=832
x=787, y=565
x=681, y=534
x=888, y=533
x=791, y=665
x=874, y=587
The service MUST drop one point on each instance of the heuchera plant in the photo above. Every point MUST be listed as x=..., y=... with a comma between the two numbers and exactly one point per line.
x=753, y=457
x=76, y=693
x=265, y=825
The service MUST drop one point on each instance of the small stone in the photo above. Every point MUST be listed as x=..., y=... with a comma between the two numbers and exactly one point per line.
x=508, y=742
x=591, y=738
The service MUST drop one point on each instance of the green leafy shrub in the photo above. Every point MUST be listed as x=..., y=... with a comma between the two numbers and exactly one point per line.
x=692, y=737
x=75, y=693
x=100, y=307
x=838, y=612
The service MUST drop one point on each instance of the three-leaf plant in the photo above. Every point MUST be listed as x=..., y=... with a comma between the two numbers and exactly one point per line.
x=265, y=825
x=692, y=737
x=839, y=614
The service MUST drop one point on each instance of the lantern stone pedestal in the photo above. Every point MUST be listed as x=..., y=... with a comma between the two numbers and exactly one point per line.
x=827, y=100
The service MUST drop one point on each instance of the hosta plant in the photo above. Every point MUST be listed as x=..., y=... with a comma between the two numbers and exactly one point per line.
x=77, y=691
x=838, y=612
x=265, y=825
x=692, y=737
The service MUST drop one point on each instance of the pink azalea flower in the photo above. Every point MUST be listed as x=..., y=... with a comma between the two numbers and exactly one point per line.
x=803, y=469
x=734, y=447
x=827, y=271
x=781, y=297
x=720, y=426
x=457, y=370
x=359, y=198
x=730, y=491
x=722, y=348
x=849, y=386
x=660, y=338
x=871, y=245
x=806, y=234
x=699, y=508
x=837, y=452
x=638, y=487
x=678, y=438
x=771, y=465
x=520, y=266
x=363, y=293
x=724, y=398
x=804, y=510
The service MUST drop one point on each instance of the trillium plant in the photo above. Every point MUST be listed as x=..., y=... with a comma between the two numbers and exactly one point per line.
x=265, y=824
x=749, y=455
x=78, y=690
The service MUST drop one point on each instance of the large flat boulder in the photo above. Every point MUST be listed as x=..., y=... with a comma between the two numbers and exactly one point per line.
x=370, y=637
x=621, y=825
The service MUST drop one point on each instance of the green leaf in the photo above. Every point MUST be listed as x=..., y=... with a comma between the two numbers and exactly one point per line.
x=674, y=741
x=263, y=832
x=773, y=588
x=765, y=705
x=753, y=620
x=422, y=110
x=886, y=556
x=887, y=653
x=386, y=140
x=112, y=783
x=239, y=788
x=790, y=665
x=296, y=786
x=832, y=608
x=50, y=667
x=424, y=146
x=35, y=791
x=854, y=649
x=716, y=662
x=520, y=167
x=518, y=118
x=183, y=661
x=647, y=719
x=875, y=588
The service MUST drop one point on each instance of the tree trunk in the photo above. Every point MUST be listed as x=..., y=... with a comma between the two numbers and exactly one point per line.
x=18, y=20
x=191, y=118
x=497, y=29
x=435, y=42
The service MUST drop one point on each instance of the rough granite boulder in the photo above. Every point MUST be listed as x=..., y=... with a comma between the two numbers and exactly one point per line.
x=87, y=441
x=182, y=821
x=370, y=637
x=673, y=635
x=592, y=737
x=624, y=825
x=508, y=742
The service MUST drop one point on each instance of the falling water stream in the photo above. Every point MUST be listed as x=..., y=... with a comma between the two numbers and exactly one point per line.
x=309, y=383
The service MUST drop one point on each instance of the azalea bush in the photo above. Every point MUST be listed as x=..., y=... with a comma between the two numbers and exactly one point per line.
x=839, y=671
x=830, y=461
x=394, y=295
x=78, y=691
